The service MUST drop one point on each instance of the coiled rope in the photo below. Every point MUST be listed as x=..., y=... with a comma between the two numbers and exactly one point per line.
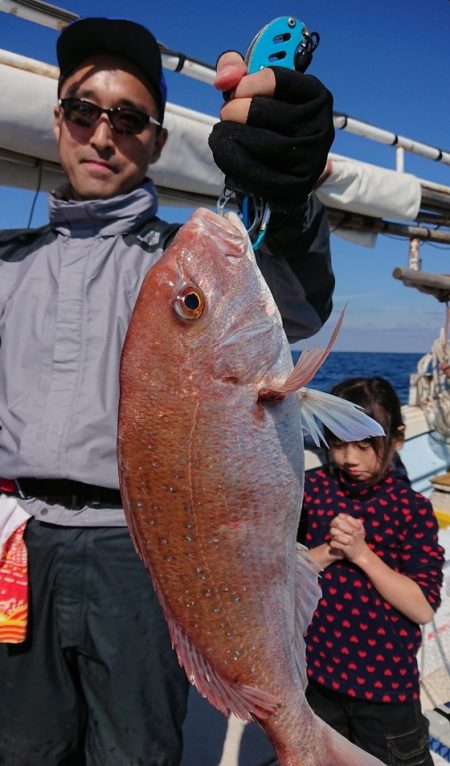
x=433, y=382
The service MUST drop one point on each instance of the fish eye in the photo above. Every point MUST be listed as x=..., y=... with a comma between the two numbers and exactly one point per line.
x=190, y=303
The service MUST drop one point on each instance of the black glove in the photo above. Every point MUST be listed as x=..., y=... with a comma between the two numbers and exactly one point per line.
x=282, y=150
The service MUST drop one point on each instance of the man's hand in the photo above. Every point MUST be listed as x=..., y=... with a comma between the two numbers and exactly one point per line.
x=232, y=79
x=230, y=71
x=275, y=131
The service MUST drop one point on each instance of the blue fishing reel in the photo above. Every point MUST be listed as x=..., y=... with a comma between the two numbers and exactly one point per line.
x=283, y=42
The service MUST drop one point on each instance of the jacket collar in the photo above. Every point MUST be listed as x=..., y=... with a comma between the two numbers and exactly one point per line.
x=102, y=217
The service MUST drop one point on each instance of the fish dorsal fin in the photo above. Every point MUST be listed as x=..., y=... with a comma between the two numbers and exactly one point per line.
x=245, y=702
x=309, y=362
x=307, y=595
x=343, y=418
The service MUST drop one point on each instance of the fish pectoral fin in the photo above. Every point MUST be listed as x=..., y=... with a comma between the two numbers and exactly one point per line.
x=307, y=595
x=343, y=418
x=245, y=702
x=309, y=362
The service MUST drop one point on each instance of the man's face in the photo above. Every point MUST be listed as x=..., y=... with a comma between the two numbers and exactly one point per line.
x=98, y=161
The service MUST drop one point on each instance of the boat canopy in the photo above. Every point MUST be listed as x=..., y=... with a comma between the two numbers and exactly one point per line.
x=186, y=173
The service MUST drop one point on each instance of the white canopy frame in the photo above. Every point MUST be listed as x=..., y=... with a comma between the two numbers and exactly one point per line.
x=358, y=195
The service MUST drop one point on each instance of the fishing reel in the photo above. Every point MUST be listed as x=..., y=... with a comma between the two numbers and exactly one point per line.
x=284, y=42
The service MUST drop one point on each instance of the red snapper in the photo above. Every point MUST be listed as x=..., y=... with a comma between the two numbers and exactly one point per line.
x=211, y=465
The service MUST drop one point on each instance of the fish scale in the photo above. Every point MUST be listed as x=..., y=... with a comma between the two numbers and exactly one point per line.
x=211, y=470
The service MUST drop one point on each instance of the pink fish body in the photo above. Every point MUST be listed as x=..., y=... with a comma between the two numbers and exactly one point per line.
x=211, y=467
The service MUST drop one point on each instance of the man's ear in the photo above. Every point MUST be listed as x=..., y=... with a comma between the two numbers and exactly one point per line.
x=158, y=146
x=57, y=119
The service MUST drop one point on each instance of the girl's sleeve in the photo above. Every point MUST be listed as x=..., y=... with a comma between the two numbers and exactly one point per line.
x=303, y=535
x=422, y=558
x=308, y=532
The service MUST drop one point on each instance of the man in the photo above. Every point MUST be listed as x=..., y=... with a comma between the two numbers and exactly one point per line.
x=96, y=681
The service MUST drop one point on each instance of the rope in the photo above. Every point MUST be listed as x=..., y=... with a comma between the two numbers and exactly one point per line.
x=433, y=382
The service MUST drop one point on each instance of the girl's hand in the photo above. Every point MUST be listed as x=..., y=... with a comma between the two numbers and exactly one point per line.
x=348, y=537
x=399, y=590
x=324, y=555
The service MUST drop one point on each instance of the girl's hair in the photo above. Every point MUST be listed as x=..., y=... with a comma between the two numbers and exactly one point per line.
x=378, y=399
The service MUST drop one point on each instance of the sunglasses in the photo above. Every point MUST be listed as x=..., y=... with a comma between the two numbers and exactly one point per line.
x=122, y=119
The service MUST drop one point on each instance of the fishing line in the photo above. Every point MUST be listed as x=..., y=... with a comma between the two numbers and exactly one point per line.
x=36, y=194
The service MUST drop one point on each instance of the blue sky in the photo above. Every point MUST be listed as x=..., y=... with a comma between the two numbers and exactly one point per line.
x=386, y=63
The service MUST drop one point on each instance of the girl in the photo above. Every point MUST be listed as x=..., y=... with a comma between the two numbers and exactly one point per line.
x=376, y=541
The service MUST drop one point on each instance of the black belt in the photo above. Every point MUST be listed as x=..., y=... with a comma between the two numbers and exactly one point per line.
x=71, y=494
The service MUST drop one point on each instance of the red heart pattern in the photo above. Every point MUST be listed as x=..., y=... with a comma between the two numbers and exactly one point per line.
x=358, y=644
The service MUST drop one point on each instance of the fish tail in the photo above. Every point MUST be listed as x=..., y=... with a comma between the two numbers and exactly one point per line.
x=341, y=752
x=326, y=747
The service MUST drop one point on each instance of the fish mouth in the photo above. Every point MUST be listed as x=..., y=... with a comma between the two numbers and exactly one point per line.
x=230, y=230
x=249, y=332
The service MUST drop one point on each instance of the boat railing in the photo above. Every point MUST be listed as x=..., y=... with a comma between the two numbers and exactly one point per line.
x=427, y=219
x=57, y=18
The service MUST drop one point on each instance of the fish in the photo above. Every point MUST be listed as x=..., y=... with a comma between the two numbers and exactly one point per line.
x=211, y=466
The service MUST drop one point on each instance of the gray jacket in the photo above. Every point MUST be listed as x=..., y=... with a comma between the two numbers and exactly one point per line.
x=66, y=295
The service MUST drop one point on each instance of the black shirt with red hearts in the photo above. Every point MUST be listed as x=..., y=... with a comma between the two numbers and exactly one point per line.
x=357, y=643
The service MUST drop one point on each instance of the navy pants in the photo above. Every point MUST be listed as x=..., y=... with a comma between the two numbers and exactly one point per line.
x=396, y=734
x=96, y=683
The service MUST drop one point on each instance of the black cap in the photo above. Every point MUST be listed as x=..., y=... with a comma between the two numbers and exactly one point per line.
x=116, y=37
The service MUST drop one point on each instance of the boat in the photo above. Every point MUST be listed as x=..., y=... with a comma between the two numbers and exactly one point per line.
x=363, y=200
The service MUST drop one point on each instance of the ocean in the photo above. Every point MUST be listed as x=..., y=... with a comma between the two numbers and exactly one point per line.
x=396, y=368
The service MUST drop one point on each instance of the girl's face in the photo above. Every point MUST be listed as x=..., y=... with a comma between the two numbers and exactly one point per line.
x=357, y=459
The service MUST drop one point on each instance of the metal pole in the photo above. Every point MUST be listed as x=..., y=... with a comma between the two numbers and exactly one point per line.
x=57, y=18
x=399, y=159
x=434, y=284
x=360, y=128
x=414, y=259
x=41, y=13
